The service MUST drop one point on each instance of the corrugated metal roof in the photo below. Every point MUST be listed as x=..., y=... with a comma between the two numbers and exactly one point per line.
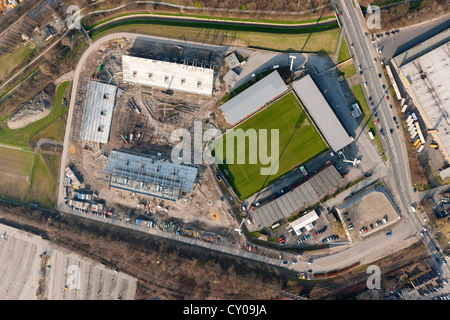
x=304, y=195
x=251, y=99
x=98, y=112
x=324, y=117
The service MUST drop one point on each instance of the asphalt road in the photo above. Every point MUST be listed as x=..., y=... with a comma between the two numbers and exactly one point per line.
x=364, y=54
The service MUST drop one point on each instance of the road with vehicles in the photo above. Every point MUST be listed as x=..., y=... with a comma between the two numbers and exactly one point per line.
x=365, y=55
x=339, y=257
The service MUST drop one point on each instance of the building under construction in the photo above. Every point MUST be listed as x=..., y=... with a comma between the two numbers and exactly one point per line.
x=94, y=111
x=150, y=175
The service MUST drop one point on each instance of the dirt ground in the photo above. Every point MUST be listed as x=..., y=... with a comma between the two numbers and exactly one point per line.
x=366, y=211
x=29, y=274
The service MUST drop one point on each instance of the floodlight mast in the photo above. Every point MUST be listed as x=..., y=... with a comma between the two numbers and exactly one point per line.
x=292, y=61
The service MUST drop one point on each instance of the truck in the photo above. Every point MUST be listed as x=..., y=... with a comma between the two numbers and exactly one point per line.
x=416, y=142
x=418, y=146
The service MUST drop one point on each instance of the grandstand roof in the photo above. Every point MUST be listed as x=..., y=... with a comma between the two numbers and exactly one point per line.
x=304, y=195
x=168, y=75
x=321, y=112
x=253, y=98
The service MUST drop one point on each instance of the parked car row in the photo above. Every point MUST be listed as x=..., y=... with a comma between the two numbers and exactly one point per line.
x=330, y=238
x=321, y=230
x=304, y=238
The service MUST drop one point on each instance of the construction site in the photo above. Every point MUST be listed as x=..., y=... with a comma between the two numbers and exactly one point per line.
x=120, y=163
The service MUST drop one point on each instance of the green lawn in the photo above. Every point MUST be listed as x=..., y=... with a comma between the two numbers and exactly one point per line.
x=12, y=60
x=368, y=120
x=299, y=142
x=314, y=39
x=21, y=137
x=348, y=71
x=344, y=54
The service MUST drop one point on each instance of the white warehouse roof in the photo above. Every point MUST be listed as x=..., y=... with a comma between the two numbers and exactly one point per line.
x=168, y=75
x=321, y=112
x=304, y=221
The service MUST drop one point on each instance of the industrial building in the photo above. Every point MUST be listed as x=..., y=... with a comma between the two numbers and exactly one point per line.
x=96, y=108
x=149, y=175
x=306, y=194
x=232, y=61
x=254, y=98
x=424, y=72
x=322, y=114
x=168, y=75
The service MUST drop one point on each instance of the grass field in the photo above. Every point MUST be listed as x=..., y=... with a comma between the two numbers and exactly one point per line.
x=21, y=137
x=369, y=121
x=348, y=71
x=344, y=54
x=10, y=61
x=323, y=39
x=15, y=173
x=28, y=177
x=299, y=142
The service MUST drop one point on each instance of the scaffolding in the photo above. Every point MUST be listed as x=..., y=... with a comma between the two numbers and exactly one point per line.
x=150, y=175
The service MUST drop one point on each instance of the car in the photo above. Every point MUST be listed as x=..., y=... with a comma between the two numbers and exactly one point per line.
x=389, y=233
x=365, y=84
x=294, y=261
x=285, y=262
x=371, y=226
x=391, y=130
x=310, y=261
x=378, y=223
x=384, y=86
x=350, y=226
x=387, y=98
x=390, y=106
x=379, y=75
x=378, y=121
x=371, y=103
x=302, y=168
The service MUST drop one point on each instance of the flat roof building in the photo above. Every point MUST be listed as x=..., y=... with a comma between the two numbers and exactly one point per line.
x=149, y=175
x=306, y=194
x=322, y=114
x=232, y=61
x=254, y=98
x=304, y=221
x=426, y=78
x=98, y=112
x=168, y=75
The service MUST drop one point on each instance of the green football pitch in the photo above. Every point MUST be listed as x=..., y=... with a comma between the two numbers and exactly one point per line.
x=298, y=142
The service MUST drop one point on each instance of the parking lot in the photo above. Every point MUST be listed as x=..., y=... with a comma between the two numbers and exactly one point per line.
x=367, y=212
x=321, y=232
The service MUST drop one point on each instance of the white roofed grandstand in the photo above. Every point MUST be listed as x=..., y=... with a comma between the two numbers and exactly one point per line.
x=168, y=75
x=321, y=112
x=253, y=98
